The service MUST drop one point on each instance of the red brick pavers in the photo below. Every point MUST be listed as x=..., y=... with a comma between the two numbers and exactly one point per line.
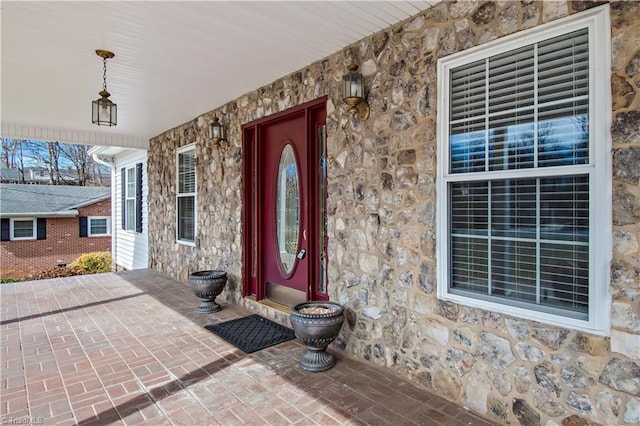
x=128, y=348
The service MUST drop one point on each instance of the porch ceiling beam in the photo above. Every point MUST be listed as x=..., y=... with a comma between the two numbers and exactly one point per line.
x=83, y=137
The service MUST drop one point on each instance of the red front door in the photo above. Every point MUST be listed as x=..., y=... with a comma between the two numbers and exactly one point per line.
x=281, y=218
x=283, y=177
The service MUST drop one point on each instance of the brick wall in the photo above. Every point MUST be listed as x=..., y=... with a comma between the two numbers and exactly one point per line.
x=62, y=245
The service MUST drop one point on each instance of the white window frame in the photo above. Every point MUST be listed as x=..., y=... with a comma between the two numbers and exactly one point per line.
x=186, y=148
x=130, y=227
x=108, y=227
x=34, y=228
x=597, y=22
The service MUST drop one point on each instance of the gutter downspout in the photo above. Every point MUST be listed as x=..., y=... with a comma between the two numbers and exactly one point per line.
x=111, y=163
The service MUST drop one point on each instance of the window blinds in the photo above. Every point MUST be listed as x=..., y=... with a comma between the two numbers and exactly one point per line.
x=187, y=172
x=186, y=195
x=186, y=218
x=522, y=239
x=522, y=109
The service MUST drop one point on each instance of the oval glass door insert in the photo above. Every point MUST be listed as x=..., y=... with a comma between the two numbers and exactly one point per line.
x=288, y=209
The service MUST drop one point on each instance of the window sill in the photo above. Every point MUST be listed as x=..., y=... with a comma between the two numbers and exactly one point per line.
x=590, y=327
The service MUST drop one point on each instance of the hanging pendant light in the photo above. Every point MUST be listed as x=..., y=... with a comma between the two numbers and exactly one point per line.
x=103, y=111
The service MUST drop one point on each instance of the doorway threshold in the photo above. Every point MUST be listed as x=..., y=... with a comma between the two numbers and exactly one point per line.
x=283, y=295
x=268, y=308
x=277, y=306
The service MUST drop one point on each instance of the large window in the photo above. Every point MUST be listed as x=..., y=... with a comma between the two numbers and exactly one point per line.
x=186, y=198
x=523, y=174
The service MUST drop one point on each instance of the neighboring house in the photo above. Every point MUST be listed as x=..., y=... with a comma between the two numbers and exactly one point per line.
x=40, y=176
x=129, y=204
x=44, y=226
x=467, y=226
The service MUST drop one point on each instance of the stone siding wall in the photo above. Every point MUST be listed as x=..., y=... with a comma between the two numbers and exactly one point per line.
x=381, y=223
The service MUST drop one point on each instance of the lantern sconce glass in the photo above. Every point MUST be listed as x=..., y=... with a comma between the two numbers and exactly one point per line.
x=217, y=134
x=103, y=111
x=353, y=92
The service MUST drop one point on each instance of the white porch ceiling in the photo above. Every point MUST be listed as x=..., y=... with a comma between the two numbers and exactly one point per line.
x=173, y=60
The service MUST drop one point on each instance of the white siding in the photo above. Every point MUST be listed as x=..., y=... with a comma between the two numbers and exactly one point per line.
x=130, y=248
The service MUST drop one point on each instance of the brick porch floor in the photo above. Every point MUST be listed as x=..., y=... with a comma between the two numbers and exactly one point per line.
x=127, y=348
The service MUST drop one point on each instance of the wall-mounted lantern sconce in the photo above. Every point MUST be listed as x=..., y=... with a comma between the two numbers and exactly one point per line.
x=353, y=92
x=217, y=134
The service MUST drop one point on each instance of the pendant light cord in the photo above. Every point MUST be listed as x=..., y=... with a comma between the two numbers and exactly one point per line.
x=104, y=74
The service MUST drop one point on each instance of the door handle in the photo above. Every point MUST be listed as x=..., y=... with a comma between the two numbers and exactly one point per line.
x=302, y=254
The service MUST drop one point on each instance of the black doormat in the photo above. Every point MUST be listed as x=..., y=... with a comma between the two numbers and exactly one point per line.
x=252, y=333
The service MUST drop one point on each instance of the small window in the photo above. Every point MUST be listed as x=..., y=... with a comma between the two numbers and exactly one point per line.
x=131, y=187
x=522, y=171
x=186, y=195
x=130, y=200
x=99, y=226
x=23, y=229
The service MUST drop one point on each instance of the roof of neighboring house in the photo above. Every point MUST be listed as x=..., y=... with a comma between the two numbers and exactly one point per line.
x=47, y=200
x=9, y=174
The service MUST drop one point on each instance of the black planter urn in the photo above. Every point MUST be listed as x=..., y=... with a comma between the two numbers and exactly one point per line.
x=316, y=325
x=207, y=285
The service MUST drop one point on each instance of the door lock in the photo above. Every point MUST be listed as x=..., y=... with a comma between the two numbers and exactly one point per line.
x=302, y=254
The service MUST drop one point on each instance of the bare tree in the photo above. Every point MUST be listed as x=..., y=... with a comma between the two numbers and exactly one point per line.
x=58, y=158
x=95, y=172
x=98, y=172
x=87, y=170
x=20, y=162
x=79, y=158
x=54, y=156
x=47, y=154
x=9, y=150
x=12, y=157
